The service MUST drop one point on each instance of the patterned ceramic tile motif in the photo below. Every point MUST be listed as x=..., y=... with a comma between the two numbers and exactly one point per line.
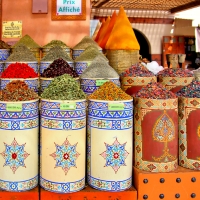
x=19, y=186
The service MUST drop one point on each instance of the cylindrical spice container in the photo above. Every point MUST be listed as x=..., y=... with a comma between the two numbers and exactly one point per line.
x=63, y=137
x=175, y=79
x=155, y=129
x=1, y=67
x=44, y=82
x=189, y=126
x=33, y=83
x=4, y=54
x=134, y=78
x=109, y=140
x=18, y=142
x=33, y=65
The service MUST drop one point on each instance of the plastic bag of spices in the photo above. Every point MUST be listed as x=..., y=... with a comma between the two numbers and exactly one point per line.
x=156, y=129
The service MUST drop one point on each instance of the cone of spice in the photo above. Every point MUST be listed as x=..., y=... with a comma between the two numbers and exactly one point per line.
x=17, y=91
x=54, y=43
x=58, y=68
x=63, y=88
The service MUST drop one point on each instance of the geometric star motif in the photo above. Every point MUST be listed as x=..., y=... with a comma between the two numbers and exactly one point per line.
x=14, y=155
x=65, y=156
x=115, y=155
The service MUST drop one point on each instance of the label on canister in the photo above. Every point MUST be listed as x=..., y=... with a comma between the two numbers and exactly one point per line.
x=115, y=106
x=68, y=106
x=100, y=82
x=14, y=107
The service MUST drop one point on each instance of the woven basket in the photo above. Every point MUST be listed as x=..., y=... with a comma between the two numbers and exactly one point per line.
x=121, y=60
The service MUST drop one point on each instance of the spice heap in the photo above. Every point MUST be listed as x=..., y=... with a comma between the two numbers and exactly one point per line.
x=58, y=68
x=54, y=43
x=137, y=70
x=89, y=54
x=99, y=68
x=86, y=42
x=155, y=91
x=110, y=92
x=4, y=45
x=19, y=70
x=175, y=73
x=27, y=41
x=55, y=53
x=21, y=53
x=190, y=91
x=63, y=88
x=17, y=91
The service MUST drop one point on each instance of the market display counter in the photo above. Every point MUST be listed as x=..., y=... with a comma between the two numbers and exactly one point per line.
x=181, y=184
x=28, y=195
x=89, y=193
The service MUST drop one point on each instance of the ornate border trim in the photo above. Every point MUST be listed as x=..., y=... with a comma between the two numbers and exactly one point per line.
x=19, y=186
x=60, y=187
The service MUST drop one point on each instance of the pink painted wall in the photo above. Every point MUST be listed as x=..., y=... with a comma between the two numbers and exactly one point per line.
x=40, y=26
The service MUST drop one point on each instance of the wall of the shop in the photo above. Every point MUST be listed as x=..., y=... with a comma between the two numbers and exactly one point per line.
x=40, y=26
x=183, y=27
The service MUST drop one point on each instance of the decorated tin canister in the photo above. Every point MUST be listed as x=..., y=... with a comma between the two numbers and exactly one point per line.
x=19, y=145
x=81, y=66
x=189, y=133
x=156, y=134
x=131, y=85
x=4, y=54
x=1, y=67
x=174, y=84
x=89, y=85
x=63, y=145
x=33, y=65
x=110, y=144
x=33, y=83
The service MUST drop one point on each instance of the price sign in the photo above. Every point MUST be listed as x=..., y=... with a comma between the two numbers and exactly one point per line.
x=68, y=106
x=115, y=106
x=88, y=64
x=14, y=107
x=100, y=82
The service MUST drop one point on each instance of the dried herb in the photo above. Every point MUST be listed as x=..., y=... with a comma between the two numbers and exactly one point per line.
x=27, y=41
x=4, y=45
x=110, y=92
x=54, y=43
x=175, y=73
x=17, y=91
x=137, y=70
x=63, y=88
x=58, y=68
x=55, y=53
x=155, y=91
x=86, y=42
x=21, y=53
x=19, y=70
x=89, y=54
x=99, y=68
x=190, y=91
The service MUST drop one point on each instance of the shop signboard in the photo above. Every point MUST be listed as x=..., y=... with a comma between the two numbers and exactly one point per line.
x=12, y=29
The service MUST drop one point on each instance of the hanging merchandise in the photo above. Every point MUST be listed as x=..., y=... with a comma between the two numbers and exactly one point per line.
x=175, y=79
x=156, y=129
x=189, y=126
x=63, y=136
x=86, y=57
x=20, y=71
x=97, y=74
x=53, y=54
x=18, y=137
x=134, y=78
x=22, y=54
x=110, y=138
x=55, y=69
x=82, y=45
